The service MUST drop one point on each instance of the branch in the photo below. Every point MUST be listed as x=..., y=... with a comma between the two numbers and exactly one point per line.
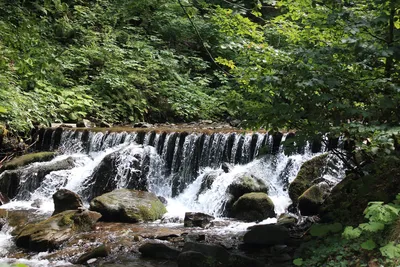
x=202, y=41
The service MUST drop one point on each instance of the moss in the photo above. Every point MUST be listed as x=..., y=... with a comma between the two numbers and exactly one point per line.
x=309, y=171
x=27, y=159
x=67, y=219
x=253, y=207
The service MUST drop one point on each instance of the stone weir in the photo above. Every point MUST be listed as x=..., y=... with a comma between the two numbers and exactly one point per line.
x=183, y=153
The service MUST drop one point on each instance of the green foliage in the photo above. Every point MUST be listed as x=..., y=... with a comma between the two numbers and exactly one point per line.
x=321, y=230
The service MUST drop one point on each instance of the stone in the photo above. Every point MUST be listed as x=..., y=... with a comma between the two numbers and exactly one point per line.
x=32, y=175
x=158, y=251
x=85, y=124
x=287, y=220
x=253, y=207
x=163, y=200
x=207, y=181
x=349, y=198
x=309, y=171
x=226, y=167
x=126, y=205
x=267, y=235
x=210, y=255
x=102, y=179
x=311, y=200
x=27, y=159
x=246, y=183
x=3, y=199
x=98, y=252
x=65, y=199
x=142, y=125
x=171, y=219
x=104, y=124
x=51, y=233
x=197, y=219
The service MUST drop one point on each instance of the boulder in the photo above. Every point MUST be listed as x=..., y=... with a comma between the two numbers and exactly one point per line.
x=309, y=171
x=98, y=252
x=51, y=233
x=209, y=255
x=267, y=235
x=197, y=219
x=288, y=220
x=246, y=183
x=27, y=159
x=65, y=199
x=349, y=198
x=103, y=179
x=158, y=251
x=226, y=167
x=126, y=205
x=142, y=125
x=207, y=181
x=311, y=200
x=85, y=124
x=253, y=207
x=31, y=175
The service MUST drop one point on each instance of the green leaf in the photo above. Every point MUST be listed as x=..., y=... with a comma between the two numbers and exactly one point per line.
x=3, y=109
x=391, y=251
x=351, y=233
x=298, y=262
x=368, y=245
x=372, y=226
x=319, y=230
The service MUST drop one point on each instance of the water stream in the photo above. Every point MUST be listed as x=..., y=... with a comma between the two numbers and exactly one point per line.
x=171, y=165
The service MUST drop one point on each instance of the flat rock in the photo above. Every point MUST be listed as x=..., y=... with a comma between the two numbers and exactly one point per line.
x=158, y=251
x=197, y=219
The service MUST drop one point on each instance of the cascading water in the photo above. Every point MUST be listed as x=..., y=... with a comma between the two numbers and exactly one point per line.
x=171, y=165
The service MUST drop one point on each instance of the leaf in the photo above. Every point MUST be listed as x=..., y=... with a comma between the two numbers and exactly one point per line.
x=372, y=226
x=351, y=233
x=391, y=251
x=368, y=245
x=298, y=262
x=3, y=109
x=319, y=230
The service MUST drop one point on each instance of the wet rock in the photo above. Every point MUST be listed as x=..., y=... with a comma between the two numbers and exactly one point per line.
x=287, y=220
x=348, y=199
x=253, y=207
x=171, y=219
x=65, y=199
x=27, y=159
x=37, y=203
x=33, y=177
x=3, y=199
x=51, y=233
x=103, y=178
x=246, y=183
x=142, y=125
x=197, y=219
x=126, y=205
x=309, y=171
x=163, y=200
x=158, y=251
x=207, y=181
x=226, y=167
x=85, y=124
x=209, y=255
x=266, y=234
x=311, y=200
x=98, y=252
x=104, y=124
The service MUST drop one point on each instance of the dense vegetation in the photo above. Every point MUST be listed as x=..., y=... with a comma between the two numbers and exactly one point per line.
x=314, y=66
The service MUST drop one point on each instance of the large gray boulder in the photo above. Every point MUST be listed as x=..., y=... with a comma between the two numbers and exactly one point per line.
x=253, y=207
x=312, y=199
x=197, y=219
x=126, y=205
x=267, y=234
x=52, y=233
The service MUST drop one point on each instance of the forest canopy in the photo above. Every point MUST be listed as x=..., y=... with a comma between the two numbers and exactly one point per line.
x=311, y=66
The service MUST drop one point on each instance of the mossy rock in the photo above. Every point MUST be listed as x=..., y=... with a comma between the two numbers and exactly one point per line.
x=246, y=183
x=253, y=207
x=126, y=205
x=350, y=197
x=52, y=232
x=27, y=159
x=311, y=200
x=309, y=171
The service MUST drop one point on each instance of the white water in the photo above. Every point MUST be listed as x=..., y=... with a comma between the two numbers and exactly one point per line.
x=270, y=169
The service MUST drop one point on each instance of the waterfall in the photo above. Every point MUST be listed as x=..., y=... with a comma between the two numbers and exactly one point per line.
x=169, y=164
